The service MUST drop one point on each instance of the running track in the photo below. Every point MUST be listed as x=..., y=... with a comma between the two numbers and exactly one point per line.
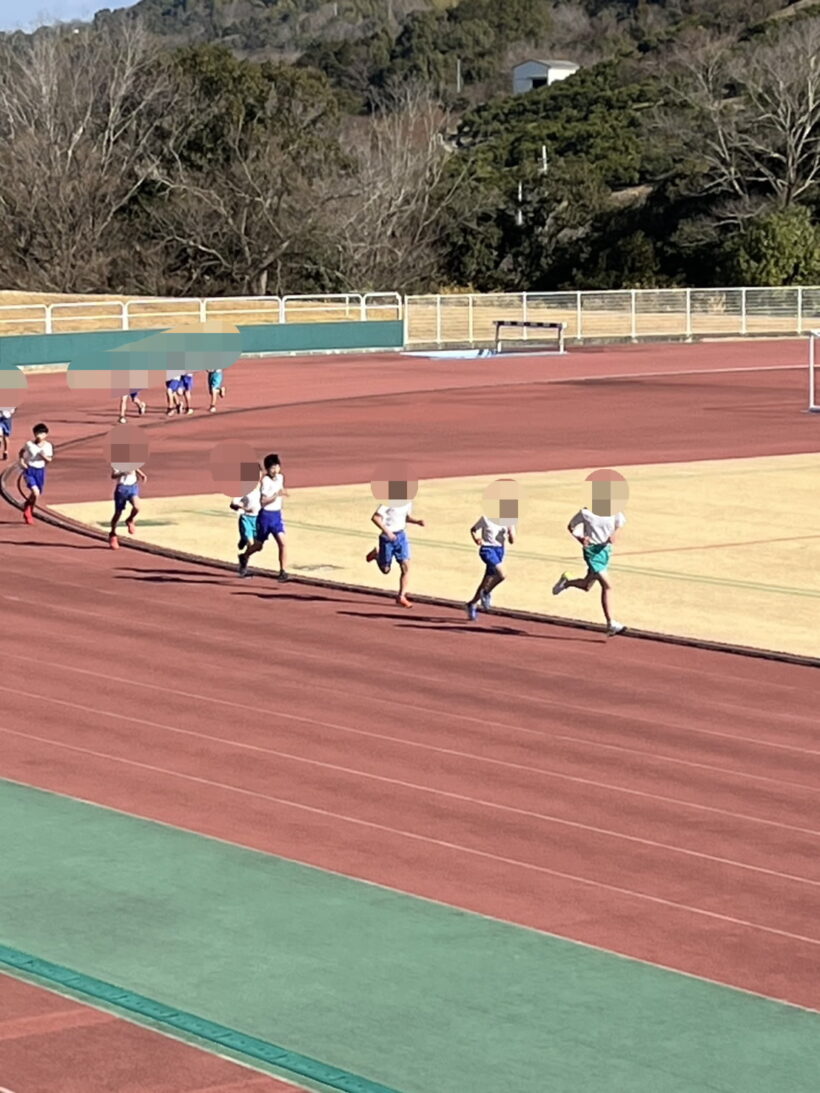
x=655, y=801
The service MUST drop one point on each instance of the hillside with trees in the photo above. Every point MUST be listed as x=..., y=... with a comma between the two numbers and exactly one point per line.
x=208, y=147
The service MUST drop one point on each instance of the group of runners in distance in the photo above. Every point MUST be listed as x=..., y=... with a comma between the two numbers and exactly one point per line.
x=178, y=391
x=261, y=518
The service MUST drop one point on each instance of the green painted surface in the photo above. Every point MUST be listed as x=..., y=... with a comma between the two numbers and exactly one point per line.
x=419, y=997
x=90, y=351
x=173, y=1020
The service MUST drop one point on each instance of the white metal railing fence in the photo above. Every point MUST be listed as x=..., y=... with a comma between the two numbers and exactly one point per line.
x=632, y=314
x=459, y=320
x=146, y=312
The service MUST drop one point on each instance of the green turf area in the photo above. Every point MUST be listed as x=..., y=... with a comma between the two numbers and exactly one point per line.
x=416, y=996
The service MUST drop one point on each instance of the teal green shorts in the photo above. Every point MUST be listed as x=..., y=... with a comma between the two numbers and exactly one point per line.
x=597, y=556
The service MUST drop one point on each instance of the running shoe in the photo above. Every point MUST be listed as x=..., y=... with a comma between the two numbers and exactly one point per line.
x=472, y=612
x=560, y=584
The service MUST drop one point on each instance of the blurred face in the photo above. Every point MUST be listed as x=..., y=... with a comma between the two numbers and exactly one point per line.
x=272, y=470
x=501, y=502
x=394, y=484
x=235, y=468
x=127, y=449
x=40, y=437
x=609, y=495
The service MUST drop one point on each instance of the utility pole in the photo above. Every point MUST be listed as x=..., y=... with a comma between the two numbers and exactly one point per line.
x=459, y=81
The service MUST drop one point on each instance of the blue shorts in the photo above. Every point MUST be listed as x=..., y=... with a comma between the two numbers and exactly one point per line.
x=247, y=530
x=215, y=381
x=134, y=396
x=396, y=551
x=123, y=495
x=5, y=426
x=35, y=476
x=267, y=524
x=492, y=557
x=187, y=383
x=173, y=385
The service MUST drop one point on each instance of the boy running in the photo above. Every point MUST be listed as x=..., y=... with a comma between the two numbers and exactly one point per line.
x=186, y=385
x=34, y=457
x=216, y=388
x=172, y=394
x=126, y=492
x=248, y=508
x=136, y=400
x=6, y=419
x=490, y=538
x=595, y=529
x=269, y=521
x=392, y=518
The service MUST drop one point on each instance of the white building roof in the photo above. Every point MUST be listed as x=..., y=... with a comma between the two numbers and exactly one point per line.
x=548, y=64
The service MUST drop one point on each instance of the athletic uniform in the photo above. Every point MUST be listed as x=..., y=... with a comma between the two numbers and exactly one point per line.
x=215, y=381
x=6, y=417
x=186, y=381
x=34, y=465
x=394, y=518
x=493, y=541
x=599, y=530
x=173, y=383
x=269, y=521
x=248, y=517
x=126, y=490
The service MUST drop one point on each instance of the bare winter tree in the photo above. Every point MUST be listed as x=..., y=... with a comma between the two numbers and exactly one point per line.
x=754, y=117
x=386, y=222
x=78, y=113
x=248, y=218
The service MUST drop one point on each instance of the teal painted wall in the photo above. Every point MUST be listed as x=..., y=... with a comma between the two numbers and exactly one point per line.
x=89, y=351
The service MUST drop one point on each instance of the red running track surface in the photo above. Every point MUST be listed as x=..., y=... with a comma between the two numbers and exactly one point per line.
x=52, y=1044
x=656, y=801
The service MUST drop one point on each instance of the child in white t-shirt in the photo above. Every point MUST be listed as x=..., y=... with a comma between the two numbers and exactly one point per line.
x=126, y=492
x=269, y=522
x=595, y=528
x=491, y=539
x=392, y=519
x=248, y=508
x=34, y=458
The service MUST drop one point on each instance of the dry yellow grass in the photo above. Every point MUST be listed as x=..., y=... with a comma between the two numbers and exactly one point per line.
x=696, y=579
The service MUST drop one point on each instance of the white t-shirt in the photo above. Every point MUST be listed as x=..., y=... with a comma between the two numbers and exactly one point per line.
x=598, y=529
x=268, y=487
x=395, y=516
x=492, y=534
x=127, y=478
x=250, y=503
x=33, y=454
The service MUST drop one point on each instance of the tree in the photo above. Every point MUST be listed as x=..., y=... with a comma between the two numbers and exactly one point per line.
x=753, y=126
x=240, y=190
x=387, y=212
x=782, y=247
x=79, y=117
